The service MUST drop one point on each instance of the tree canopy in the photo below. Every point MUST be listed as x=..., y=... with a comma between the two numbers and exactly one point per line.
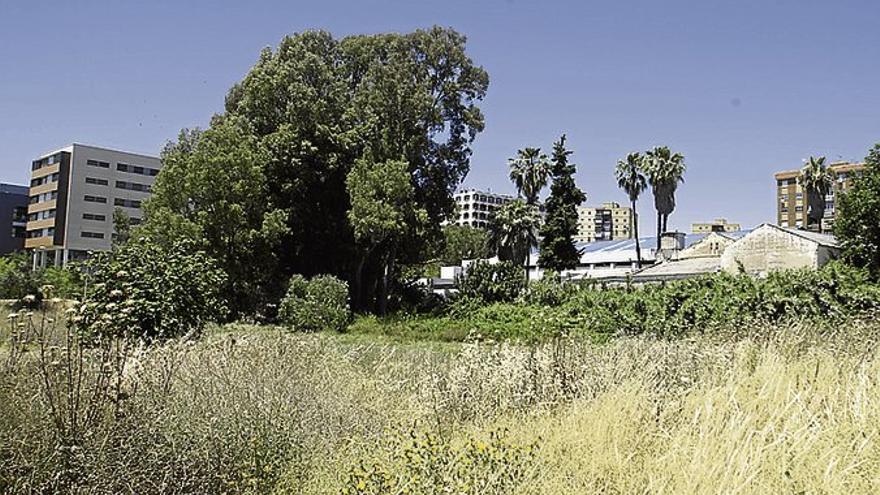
x=297, y=124
x=857, y=223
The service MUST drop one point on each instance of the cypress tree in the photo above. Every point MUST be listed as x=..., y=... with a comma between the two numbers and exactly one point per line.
x=558, y=251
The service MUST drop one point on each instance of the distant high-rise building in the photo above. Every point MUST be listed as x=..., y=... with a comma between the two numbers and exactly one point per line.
x=73, y=194
x=604, y=223
x=717, y=225
x=791, y=203
x=474, y=208
x=13, y=216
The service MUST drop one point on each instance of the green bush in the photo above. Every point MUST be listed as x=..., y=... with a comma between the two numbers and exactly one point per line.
x=317, y=304
x=151, y=291
x=490, y=283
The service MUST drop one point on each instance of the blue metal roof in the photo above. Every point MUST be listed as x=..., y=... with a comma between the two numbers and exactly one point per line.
x=646, y=243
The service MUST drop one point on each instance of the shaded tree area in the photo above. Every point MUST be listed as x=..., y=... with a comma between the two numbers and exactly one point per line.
x=267, y=189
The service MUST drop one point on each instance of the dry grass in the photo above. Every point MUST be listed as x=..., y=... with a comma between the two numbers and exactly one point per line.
x=247, y=410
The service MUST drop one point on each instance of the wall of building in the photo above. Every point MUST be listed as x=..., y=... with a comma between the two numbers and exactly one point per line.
x=13, y=199
x=770, y=248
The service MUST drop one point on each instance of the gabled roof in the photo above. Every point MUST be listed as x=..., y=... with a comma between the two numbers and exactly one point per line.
x=820, y=239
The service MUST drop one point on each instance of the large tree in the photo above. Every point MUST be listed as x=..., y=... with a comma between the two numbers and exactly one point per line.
x=664, y=170
x=212, y=189
x=558, y=251
x=383, y=211
x=316, y=105
x=857, y=219
x=513, y=231
x=632, y=181
x=815, y=180
x=529, y=171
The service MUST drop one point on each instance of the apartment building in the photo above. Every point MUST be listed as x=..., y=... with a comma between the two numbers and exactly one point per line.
x=605, y=223
x=717, y=225
x=73, y=194
x=13, y=216
x=474, y=208
x=791, y=203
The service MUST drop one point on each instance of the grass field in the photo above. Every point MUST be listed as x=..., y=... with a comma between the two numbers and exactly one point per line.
x=249, y=409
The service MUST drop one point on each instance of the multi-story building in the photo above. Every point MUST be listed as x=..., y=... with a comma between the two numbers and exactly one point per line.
x=717, y=225
x=73, y=194
x=791, y=202
x=474, y=208
x=13, y=216
x=604, y=223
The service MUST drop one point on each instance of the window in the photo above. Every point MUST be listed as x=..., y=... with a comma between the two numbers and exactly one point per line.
x=94, y=216
x=137, y=169
x=133, y=186
x=134, y=221
x=94, y=199
x=128, y=203
x=93, y=235
x=798, y=209
x=96, y=181
x=96, y=163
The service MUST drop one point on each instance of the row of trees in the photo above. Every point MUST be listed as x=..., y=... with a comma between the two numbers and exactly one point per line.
x=516, y=227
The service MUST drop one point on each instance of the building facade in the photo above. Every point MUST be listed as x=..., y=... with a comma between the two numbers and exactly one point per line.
x=609, y=222
x=474, y=208
x=13, y=217
x=73, y=194
x=791, y=202
x=717, y=225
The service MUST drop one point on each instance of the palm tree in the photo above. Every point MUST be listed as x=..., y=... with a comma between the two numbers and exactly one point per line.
x=631, y=180
x=816, y=181
x=664, y=170
x=513, y=232
x=529, y=172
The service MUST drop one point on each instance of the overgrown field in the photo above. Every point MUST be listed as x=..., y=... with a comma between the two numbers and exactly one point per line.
x=781, y=409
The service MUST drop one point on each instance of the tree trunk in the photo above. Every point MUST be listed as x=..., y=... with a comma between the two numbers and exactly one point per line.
x=357, y=291
x=382, y=303
x=659, y=231
x=636, y=234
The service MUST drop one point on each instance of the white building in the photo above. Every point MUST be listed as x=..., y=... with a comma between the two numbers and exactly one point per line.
x=73, y=194
x=474, y=208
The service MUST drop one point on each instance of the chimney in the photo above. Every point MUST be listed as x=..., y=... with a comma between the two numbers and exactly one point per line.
x=671, y=243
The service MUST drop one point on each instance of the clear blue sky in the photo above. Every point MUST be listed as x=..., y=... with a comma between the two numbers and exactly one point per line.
x=741, y=88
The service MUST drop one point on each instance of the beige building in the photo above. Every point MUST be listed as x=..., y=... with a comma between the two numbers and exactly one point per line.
x=791, y=203
x=73, y=194
x=770, y=248
x=609, y=222
x=717, y=225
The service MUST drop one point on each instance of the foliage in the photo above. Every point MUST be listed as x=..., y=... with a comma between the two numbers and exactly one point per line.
x=463, y=242
x=857, y=219
x=428, y=463
x=488, y=282
x=816, y=180
x=121, y=227
x=383, y=211
x=316, y=304
x=18, y=279
x=513, y=231
x=529, y=172
x=320, y=105
x=152, y=291
x=212, y=183
x=631, y=179
x=558, y=251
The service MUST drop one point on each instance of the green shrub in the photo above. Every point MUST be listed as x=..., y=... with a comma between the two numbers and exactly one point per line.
x=317, y=304
x=499, y=282
x=17, y=279
x=151, y=291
